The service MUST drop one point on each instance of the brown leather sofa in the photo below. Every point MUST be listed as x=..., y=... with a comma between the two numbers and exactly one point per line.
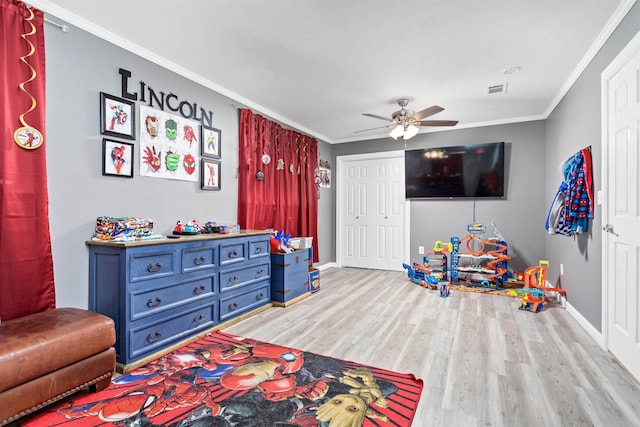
x=47, y=356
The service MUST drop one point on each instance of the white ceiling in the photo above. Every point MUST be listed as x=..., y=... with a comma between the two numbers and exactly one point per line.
x=317, y=65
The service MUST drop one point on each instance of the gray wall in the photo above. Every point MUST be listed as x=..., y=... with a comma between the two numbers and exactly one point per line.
x=574, y=124
x=79, y=67
x=520, y=216
x=326, y=211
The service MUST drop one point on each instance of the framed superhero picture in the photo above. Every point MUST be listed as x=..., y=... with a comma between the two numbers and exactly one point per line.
x=169, y=146
x=210, y=175
x=117, y=117
x=210, y=140
x=117, y=158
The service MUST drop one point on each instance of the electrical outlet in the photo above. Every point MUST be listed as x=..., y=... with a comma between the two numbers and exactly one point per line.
x=421, y=250
x=562, y=269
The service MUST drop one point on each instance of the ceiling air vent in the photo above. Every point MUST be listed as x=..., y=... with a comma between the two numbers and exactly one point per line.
x=496, y=89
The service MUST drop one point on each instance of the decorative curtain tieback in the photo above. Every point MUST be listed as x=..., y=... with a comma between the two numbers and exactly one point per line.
x=27, y=136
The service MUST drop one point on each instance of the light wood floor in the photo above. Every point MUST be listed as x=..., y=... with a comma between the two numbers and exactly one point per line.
x=483, y=361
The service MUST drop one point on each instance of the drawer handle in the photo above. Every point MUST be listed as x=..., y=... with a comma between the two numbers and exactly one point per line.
x=153, y=338
x=260, y=272
x=258, y=249
x=233, y=306
x=199, y=319
x=233, y=279
x=233, y=254
x=199, y=261
x=199, y=289
x=259, y=296
x=152, y=269
x=154, y=303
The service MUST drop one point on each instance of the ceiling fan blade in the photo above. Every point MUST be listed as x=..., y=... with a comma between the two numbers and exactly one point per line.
x=377, y=117
x=381, y=127
x=437, y=123
x=427, y=112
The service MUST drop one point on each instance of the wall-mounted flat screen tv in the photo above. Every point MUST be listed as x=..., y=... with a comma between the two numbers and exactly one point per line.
x=474, y=171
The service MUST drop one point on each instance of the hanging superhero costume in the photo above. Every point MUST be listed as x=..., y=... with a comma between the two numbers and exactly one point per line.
x=573, y=204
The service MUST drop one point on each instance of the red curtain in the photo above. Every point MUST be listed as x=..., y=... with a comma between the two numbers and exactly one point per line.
x=286, y=198
x=26, y=264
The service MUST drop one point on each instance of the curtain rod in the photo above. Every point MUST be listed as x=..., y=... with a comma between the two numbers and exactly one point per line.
x=64, y=28
x=266, y=116
x=239, y=106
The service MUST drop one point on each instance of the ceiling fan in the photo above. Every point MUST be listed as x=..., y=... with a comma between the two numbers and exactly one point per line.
x=405, y=122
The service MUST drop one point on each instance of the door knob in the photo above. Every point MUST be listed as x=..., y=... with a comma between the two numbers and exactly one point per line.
x=609, y=229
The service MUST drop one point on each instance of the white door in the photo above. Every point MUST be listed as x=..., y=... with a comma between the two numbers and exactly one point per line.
x=371, y=212
x=621, y=210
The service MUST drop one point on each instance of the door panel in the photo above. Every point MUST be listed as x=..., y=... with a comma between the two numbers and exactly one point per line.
x=623, y=215
x=373, y=219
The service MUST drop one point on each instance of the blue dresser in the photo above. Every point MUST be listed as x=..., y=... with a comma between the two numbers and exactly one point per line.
x=290, y=276
x=165, y=291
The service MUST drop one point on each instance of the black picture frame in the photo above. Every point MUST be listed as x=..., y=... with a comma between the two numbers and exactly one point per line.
x=210, y=175
x=117, y=116
x=210, y=142
x=117, y=158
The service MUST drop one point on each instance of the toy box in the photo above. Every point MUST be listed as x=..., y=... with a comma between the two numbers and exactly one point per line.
x=289, y=276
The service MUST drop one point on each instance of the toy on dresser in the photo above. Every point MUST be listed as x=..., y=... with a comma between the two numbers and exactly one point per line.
x=123, y=228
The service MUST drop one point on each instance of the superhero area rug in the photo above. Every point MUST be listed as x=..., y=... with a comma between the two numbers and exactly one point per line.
x=226, y=380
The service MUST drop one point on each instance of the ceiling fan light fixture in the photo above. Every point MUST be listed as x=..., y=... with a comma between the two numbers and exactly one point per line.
x=404, y=131
x=406, y=124
x=397, y=132
x=411, y=131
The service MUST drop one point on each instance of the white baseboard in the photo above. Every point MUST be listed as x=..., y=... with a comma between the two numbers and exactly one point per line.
x=588, y=327
x=327, y=265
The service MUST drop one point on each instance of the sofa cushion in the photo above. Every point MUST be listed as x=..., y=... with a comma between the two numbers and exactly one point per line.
x=35, y=345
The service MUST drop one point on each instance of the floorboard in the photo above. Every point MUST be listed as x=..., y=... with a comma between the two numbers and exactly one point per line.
x=483, y=361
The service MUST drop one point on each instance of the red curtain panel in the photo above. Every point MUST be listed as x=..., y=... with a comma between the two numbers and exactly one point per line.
x=26, y=264
x=276, y=178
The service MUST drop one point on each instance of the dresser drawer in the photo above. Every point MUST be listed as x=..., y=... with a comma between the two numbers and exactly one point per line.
x=151, y=265
x=254, y=297
x=259, y=249
x=199, y=258
x=146, y=302
x=171, y=329
x=233, y=252
x=233, y=279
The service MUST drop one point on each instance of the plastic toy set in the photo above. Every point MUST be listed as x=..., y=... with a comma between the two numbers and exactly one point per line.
x=424, y=277
x=192, y=227
x=485, y=261
x=483, y=265
x=535, y=293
